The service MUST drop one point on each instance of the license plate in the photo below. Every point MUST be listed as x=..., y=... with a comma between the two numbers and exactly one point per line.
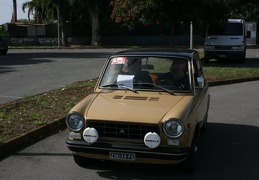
x=122, y=156
x=222, y=56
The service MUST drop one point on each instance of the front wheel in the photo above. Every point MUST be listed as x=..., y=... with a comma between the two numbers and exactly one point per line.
x=83, y=161
x=188, y=165
x=205, y=60
x=79, y=160
x=3, y=52
x=205, y=124
x=242, y=60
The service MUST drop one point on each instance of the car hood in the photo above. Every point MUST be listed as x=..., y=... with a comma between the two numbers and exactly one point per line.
x=132, y=107
x=224, y=40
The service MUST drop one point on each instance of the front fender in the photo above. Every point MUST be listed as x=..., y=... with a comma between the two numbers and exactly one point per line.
x=83, y=106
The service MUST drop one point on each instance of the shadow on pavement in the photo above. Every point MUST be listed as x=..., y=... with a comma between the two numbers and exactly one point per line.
x=225, y=151
x=12, y=59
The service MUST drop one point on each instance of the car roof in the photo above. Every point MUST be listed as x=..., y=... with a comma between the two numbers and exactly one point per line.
x=157, y=52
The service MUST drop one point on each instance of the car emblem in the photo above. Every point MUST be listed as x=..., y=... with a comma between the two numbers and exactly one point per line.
x=122, y=131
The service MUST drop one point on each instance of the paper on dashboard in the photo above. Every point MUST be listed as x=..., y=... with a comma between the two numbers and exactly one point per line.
x=125, y=80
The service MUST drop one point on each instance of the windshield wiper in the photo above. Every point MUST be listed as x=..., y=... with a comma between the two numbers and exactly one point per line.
x=112, y=85
x=159, y=87
x=121, y=86
x=126, y=87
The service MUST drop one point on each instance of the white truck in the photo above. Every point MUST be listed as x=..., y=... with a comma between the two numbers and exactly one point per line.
x=226, y=41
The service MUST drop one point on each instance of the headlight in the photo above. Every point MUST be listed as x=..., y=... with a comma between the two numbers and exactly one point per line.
x=173, y=128
x=75, y=121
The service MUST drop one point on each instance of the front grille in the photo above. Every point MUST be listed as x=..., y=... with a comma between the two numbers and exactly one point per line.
x=222, y=52
x=223, y=47
x=122, y=130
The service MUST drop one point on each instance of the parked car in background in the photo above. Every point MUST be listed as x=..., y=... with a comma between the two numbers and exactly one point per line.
x=148, y=106
x=226, y=41
x=3, y=46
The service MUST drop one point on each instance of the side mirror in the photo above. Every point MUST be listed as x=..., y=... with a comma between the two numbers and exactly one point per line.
x=200, y=81
x=248, y=34
x=203, y=34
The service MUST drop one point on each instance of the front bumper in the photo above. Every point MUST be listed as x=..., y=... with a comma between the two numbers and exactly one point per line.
x=3, y=48
x=224, y=54
x=160, y=155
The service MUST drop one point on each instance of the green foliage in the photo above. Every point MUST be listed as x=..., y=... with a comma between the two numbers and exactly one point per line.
x=130, y=12
x=2, y=31
x=1, y=115
x=228, y=73
x=245, y=9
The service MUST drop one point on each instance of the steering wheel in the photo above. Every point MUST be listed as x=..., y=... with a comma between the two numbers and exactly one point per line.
x=167, y=82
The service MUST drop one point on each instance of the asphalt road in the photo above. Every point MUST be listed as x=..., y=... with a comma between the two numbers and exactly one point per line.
x=229, y=149
x=33, y=71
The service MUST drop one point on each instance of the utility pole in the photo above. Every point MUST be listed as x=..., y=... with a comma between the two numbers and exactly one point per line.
x=191, y=35
x=58, y=27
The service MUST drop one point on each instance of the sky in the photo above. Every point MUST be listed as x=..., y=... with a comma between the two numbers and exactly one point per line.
x=6, y=9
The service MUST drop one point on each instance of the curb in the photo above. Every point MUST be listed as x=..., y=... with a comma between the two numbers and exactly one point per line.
x=24, y=139
x=232, y=81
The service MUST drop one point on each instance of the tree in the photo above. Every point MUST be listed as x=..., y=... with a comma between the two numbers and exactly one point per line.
x=93, y=9
x=95, y=21
x=245, y=9
x=34, y=9
x=131, y=12
x=14, y=16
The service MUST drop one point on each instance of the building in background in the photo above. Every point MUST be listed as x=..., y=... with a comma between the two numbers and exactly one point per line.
x=251, y=27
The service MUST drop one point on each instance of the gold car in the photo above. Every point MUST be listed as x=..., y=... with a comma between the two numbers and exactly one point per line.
x=148, y=106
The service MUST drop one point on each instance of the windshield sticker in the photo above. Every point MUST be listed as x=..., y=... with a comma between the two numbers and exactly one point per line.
x=119, y=60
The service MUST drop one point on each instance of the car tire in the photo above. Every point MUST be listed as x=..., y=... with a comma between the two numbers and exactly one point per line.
x=188, y=165
x=81, y=161
x=3, y=52
x=205, y=124
x=205, y=60
x=242, y=60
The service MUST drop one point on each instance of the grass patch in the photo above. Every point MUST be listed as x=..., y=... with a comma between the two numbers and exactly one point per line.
x=23, y=115
x=229, y=73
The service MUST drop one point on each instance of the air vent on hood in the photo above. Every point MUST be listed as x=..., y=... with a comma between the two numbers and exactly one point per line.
x=135, y=98
x=154, y=99
x=117, y=97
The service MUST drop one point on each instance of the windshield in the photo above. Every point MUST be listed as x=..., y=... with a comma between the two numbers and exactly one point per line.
x=234, y=29
x=147, y=73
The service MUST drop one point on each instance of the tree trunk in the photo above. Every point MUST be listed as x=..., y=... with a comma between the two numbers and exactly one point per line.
x=172, y=33
x=63, y=31
x=95, y=21
x=62, y=24
x=14, y=15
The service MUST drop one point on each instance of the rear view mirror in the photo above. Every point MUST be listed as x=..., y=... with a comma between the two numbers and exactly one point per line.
x=147, y=66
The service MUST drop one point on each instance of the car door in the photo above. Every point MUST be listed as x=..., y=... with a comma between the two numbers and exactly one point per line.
x=201, y=94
